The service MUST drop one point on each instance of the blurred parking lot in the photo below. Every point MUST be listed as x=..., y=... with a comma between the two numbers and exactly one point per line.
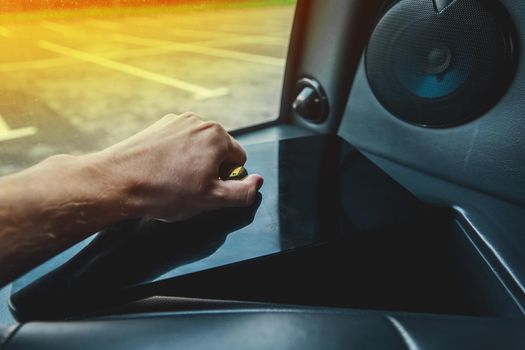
x=77, y=83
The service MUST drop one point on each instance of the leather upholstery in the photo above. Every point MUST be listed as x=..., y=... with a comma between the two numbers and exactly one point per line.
x=274, y=328
x=6, y=333
x=444, y=332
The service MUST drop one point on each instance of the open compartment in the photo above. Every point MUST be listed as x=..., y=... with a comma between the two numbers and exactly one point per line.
x=428, y=265
x=330, y=229
x=385, y=250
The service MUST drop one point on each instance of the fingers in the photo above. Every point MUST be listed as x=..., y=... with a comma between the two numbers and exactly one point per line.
x=235, y=155
x=228, y=149
x=235, y=193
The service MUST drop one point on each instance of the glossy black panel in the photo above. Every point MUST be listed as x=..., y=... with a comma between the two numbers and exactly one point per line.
x=294, y=209
x=329, y=228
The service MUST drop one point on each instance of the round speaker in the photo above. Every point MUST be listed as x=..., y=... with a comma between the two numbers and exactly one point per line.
x=441, y=62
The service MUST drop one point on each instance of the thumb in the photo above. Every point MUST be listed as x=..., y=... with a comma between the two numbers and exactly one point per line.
x=237, y=193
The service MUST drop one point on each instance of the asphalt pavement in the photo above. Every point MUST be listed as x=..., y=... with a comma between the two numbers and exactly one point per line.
x=76, y=84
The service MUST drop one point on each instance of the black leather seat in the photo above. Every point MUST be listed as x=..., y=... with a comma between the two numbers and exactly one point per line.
x=273, y=328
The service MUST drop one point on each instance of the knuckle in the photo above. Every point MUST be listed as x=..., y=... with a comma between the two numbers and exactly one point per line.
x=190, y=115
x=217, y=134
x=214, y=127
x=170, y=117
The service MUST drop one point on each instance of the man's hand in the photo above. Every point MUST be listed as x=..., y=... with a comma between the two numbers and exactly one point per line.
x=171, y=169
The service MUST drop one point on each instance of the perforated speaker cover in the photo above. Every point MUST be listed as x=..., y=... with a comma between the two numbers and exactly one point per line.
x=437, y=66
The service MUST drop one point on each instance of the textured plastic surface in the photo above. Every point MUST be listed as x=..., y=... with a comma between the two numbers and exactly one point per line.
x=441, y=68
x=327, y=41
x=274, y=328
x=477, y=166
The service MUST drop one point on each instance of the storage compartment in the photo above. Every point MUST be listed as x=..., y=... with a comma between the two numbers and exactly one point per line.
x=330, y=229
x=385, y=249
x=428, y=265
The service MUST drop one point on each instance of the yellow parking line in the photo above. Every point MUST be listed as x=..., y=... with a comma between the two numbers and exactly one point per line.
x=252, y=39
x=61, y=29
x=199, y=92
x=6, y=133
x=209, y=51
x=245, y=39
x=195, y=33
x=119, y=54
x=5, y=32
x=244, y=29
x=227, y=25
x=63, y=61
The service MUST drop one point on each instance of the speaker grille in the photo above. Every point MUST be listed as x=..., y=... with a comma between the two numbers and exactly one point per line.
x=439, y=68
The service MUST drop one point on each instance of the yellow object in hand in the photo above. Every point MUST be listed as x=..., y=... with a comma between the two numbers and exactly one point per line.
x=236, y=173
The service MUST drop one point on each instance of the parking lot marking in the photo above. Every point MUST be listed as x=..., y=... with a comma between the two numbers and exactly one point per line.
x=195, y=33
x=6, y=133
x=243, y=28
x=61, y=29
x=118, y=54
x=226, y=25
x=5, y=32
x=245, y=39
x=198, y=92
x=204, y=50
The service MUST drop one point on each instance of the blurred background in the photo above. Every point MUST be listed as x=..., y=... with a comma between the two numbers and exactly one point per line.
x=78, y=76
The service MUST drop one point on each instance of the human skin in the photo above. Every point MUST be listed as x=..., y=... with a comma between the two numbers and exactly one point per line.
x=169, y=171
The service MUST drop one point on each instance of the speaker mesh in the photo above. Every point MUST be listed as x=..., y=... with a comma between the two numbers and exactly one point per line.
x=438, y=68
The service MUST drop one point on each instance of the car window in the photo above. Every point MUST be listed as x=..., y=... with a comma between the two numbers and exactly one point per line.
x=78, y=75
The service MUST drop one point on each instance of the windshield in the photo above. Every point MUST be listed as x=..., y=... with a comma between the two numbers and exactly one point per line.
x=78, y=76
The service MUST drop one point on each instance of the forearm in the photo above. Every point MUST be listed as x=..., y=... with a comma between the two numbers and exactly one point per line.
x=53, y=205
x=169, y=171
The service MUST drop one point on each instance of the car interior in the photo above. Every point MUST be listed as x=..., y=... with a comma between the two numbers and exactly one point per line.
x=392, y=214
